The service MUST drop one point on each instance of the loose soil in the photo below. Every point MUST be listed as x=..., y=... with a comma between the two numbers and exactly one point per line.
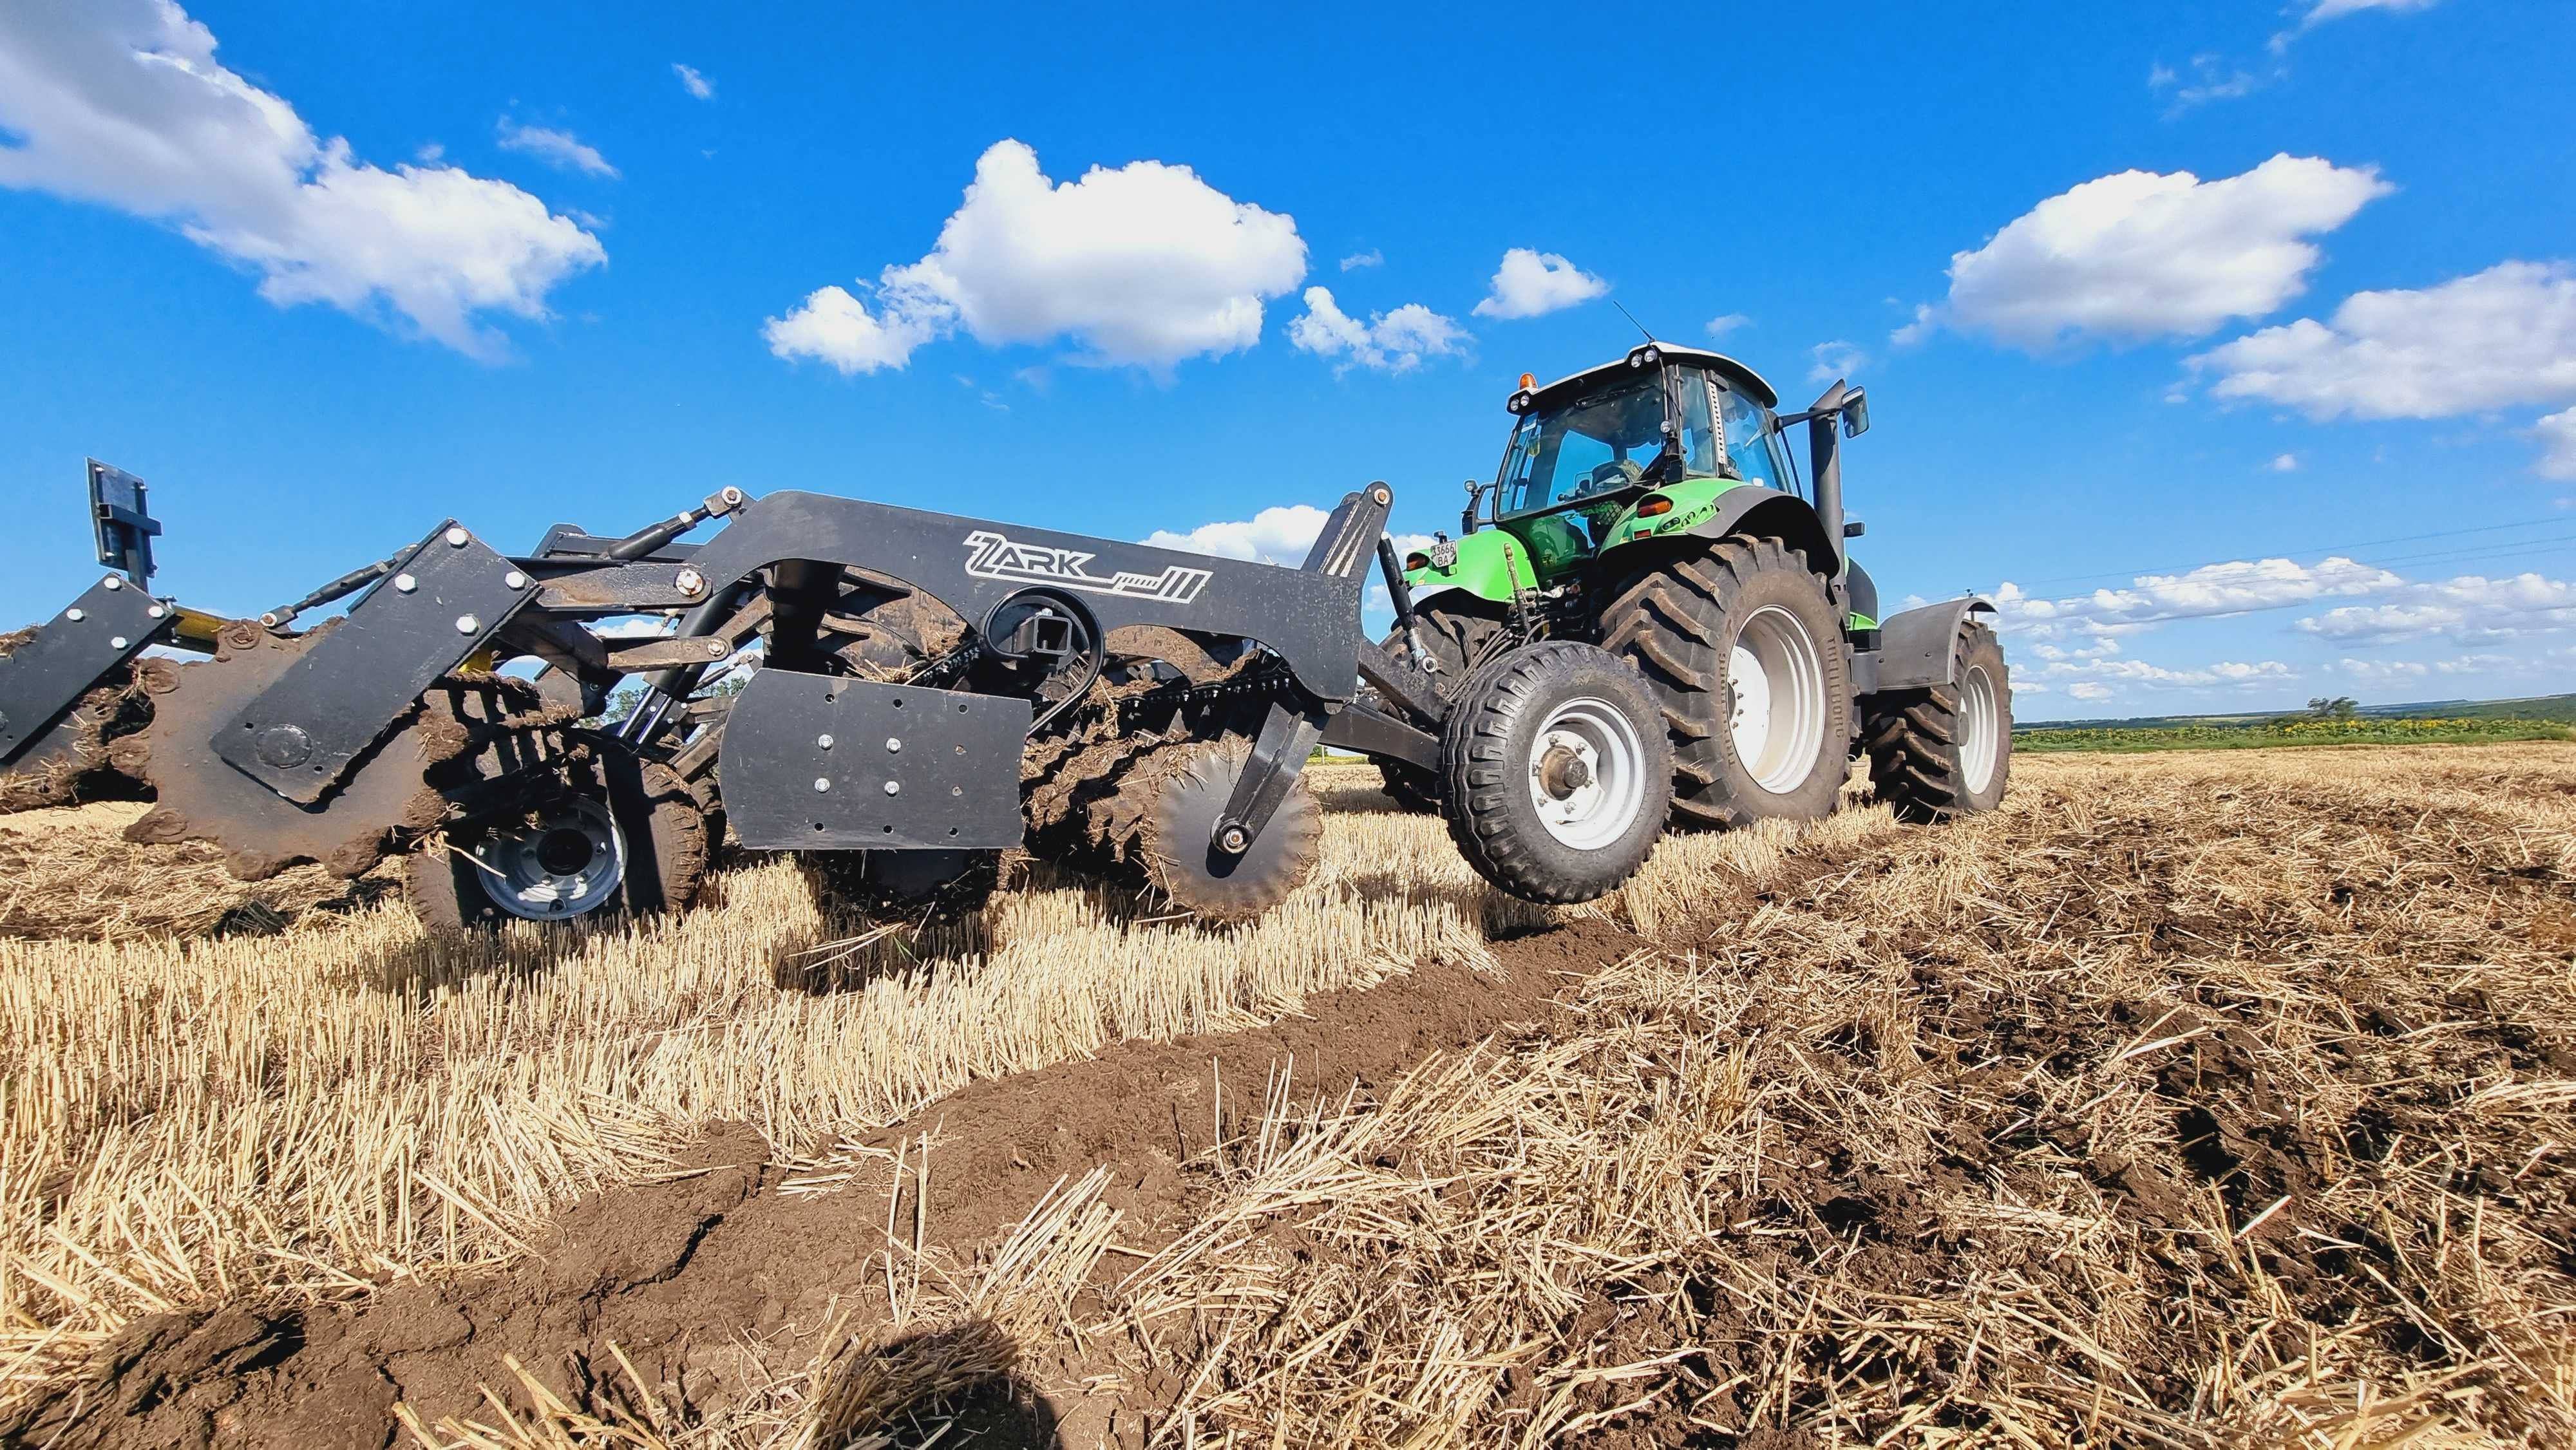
x=674, y=1273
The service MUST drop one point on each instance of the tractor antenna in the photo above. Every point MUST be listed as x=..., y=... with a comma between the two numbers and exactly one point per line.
x=1632, y=319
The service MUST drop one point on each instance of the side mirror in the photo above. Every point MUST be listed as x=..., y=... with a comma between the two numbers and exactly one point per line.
x=1855, y=413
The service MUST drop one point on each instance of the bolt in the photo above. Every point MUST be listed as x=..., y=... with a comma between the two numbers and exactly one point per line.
x=894, y=746
x=458, y=538
x=691, y=582
x=1234, y=840
x=515, y=579
x=467, y=624
x=112, y=582
x=117, y=642
x=894, y=788
x=823, y=741
x=822, y=782
x=404, y=584
x=74, y=615
x=283, y=747
x=156, y=611
x=715, y=649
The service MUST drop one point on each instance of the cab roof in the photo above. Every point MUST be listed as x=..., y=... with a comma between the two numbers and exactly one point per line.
x=1733, y=373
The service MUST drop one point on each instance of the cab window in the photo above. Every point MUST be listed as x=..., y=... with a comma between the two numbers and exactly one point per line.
x=1750, y=443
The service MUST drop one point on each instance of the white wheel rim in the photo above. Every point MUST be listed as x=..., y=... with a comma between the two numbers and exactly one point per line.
x=1586, y=774
x=1775, y=685
x=529, y=872
x=1980, y=730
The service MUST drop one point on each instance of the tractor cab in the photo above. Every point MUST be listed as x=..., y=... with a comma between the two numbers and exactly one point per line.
x=1613, y=454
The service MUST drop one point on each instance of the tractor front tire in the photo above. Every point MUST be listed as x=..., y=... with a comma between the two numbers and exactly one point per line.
x=1945, y=751
x=1742, y=647
x=1555, y=775
x=1457, y=627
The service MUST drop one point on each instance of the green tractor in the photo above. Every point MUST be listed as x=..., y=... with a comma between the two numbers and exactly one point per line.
x=1649, y=505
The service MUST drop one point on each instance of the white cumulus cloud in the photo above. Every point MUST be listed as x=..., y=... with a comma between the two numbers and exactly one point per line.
x=1370, y=258
x=1725, y=323
x=1145, y=264
x=2501, y=337
x=2558, y=445
x=691, y=81
x=2321, y=11
x=2469, y=609
x=1279, y=534
x=559, y=149
x=1836, y=359
x=2241, y=586
x=2142, y=254
x=1530, y=283
x=1390, y=342
x=122, y=103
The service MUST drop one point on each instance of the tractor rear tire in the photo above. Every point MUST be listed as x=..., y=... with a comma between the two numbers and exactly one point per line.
x=1946, y=751
x=1742, y=646
x=1457, y=627
x=1555, y=774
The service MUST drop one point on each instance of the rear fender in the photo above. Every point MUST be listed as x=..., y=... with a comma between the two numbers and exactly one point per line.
x=1919, y=648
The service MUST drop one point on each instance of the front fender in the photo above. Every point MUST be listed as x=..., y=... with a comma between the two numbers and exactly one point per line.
x=1733, y=508
x=1488, y=564
x=1919, y=648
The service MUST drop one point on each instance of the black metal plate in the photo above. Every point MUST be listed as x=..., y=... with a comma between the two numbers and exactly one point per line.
x=49, y=673
x=122, y=522
x=1310, y=617
x=361, y=678
x=956, y=774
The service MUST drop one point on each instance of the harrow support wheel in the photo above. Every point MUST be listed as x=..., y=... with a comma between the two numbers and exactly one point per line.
x=1555, y=774
x=632, y=840
x=1946, y=751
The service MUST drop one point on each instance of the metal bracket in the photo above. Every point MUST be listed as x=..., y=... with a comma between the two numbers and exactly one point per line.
x=46, y=676
x=822, y=761
x=1288, y=736
x=124, y=525
x=659, y=654
x=437, y=608
x=1373, y=732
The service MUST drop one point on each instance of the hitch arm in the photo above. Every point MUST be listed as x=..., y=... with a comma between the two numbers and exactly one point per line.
x=1288, y=735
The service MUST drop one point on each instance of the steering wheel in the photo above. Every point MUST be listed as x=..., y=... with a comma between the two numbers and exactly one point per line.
x=1617, y=473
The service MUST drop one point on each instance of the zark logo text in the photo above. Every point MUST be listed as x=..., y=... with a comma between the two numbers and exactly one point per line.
x=993, y=556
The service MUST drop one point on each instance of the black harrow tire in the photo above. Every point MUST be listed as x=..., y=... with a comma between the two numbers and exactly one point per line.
x=1678, y=623
x=666, y=855
x=1919, y=740
x=1457, y=627
x=1487, y=748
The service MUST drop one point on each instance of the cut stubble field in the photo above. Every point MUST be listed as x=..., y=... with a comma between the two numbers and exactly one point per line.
x=2190, y=1099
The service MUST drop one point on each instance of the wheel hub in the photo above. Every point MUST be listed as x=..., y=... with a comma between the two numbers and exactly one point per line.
x=1775, y=685
x=1564, y=768
x=1585, y=774
x=563, y=862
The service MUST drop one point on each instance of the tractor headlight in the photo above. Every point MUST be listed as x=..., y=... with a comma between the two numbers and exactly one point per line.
x=1654, y=506
x=1417, y=560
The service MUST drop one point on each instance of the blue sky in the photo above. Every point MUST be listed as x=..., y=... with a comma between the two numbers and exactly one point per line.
x=2234, y=345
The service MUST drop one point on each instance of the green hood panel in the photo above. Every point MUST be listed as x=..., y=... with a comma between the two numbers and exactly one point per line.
x=1489, y=563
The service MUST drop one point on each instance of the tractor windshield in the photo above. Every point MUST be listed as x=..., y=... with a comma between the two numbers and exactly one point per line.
x=1597, y=443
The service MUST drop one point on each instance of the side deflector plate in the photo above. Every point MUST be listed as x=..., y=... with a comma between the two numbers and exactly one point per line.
x=821, y=762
